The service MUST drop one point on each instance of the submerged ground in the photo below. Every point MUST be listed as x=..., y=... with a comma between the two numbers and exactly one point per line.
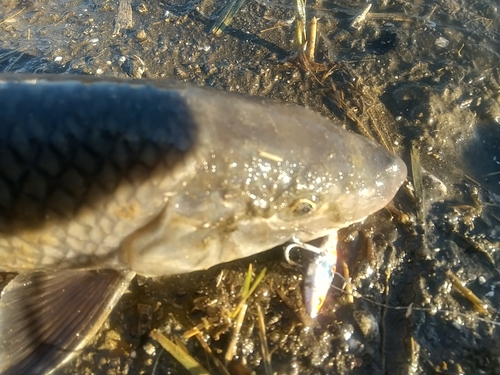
x=419, y=75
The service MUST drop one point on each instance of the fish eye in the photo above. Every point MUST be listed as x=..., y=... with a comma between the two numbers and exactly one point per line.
x=302, y=206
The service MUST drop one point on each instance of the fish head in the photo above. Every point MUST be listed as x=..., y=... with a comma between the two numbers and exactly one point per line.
x=339, y=186
x=283, y=172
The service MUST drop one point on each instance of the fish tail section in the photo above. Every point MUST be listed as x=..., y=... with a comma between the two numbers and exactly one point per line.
x=47, y=317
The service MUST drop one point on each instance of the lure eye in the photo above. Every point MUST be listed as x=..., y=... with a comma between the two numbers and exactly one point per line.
x=302, y=207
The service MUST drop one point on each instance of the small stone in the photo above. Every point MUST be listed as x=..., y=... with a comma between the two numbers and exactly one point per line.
x=442, y=42
x=141, y=35
x=149, y=349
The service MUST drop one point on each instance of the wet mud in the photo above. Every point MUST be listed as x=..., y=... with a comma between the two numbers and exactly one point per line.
x=419, y=76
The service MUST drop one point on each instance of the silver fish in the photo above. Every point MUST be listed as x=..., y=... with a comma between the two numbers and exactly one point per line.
x=320, y=271
x=101, y=179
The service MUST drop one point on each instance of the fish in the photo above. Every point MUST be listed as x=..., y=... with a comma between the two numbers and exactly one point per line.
x=102, y=179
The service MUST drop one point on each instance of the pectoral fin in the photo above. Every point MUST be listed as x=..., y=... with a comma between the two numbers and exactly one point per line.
x=46, y=317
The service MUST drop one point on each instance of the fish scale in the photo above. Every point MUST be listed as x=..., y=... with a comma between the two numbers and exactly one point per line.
x=103, y=178
x=78, y=168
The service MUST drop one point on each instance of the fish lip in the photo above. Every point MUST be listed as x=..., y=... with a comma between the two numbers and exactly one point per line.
x=308, y=236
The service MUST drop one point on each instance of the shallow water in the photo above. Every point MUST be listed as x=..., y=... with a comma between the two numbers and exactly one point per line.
x=423, y=72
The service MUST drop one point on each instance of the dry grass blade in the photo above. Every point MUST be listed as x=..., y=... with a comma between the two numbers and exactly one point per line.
x=304, y=318
x=249, y=292
x=241, y=309
x=356, y=24
x=226, y=16
x=248, y=281
x=188, y=362
x=300, y=22
x=347, y=282
x=311, y=39
x=263, y=342
x=235, y=334
x=416, y=173
x=361, y=105
x=123, y=19
x=491, y=174
x=204, y=325
x=385, y=307
x=467, y=293
x=12, y=16
x=220, y=366
x=239, y=313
